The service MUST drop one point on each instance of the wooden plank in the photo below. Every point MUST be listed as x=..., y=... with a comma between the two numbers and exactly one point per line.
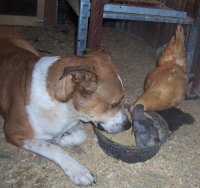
x=18, y=20
x=138, y=2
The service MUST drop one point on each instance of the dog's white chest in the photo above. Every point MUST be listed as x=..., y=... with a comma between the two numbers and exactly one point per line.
x=50, y=122
x=48, y=117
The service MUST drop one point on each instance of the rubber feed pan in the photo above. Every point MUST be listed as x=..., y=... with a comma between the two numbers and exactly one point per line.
x=134, y=154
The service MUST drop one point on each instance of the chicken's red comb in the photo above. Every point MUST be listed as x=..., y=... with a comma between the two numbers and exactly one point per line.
x=131, y=108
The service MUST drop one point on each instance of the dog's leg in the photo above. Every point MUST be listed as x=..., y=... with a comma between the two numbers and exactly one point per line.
x=73, y=137
x=72, y=168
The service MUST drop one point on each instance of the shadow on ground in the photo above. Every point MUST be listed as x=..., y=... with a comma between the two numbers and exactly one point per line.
x=176, y=118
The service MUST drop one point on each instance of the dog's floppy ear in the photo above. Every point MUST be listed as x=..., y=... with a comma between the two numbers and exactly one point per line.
x=83, y=76
x=72, y=70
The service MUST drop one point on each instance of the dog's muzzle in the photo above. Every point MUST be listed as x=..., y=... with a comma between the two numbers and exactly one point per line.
x=126, y=125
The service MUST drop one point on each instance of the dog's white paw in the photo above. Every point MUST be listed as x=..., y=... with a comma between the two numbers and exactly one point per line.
x=80, y=175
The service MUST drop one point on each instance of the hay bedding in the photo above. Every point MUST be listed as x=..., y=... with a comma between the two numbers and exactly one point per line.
x=177, y=163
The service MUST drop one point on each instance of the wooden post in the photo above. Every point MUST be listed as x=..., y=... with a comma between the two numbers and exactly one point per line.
x=50, y=12
x=95, y=24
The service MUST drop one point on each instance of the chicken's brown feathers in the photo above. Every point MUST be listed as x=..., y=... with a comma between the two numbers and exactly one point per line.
x=165, y=85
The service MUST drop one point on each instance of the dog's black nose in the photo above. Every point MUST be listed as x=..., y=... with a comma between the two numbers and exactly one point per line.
x=127, y=124
x=99, y=126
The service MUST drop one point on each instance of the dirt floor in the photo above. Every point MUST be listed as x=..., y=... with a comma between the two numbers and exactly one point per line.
x=177, y=164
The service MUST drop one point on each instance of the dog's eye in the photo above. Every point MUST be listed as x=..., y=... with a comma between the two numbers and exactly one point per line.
x=114, y=105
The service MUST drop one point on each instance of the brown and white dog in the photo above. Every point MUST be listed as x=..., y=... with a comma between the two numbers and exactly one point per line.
x=44, y=101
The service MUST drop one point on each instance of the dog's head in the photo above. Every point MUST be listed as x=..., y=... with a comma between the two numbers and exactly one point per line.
x=96, y=90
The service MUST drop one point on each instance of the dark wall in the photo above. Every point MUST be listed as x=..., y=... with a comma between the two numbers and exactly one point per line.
x=18, y=7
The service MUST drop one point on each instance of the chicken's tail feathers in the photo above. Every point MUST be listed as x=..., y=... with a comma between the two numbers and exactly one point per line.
x=180, y=38
x=179, y=48
x=175, y=50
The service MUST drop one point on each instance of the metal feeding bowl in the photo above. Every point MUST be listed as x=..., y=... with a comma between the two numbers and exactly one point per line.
x=134, y=154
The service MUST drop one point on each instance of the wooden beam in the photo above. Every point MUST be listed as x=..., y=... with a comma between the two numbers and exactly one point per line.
x=18, y=20
x=50, y=12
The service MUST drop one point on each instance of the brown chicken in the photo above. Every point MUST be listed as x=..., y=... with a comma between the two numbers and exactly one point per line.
x=165, y=86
